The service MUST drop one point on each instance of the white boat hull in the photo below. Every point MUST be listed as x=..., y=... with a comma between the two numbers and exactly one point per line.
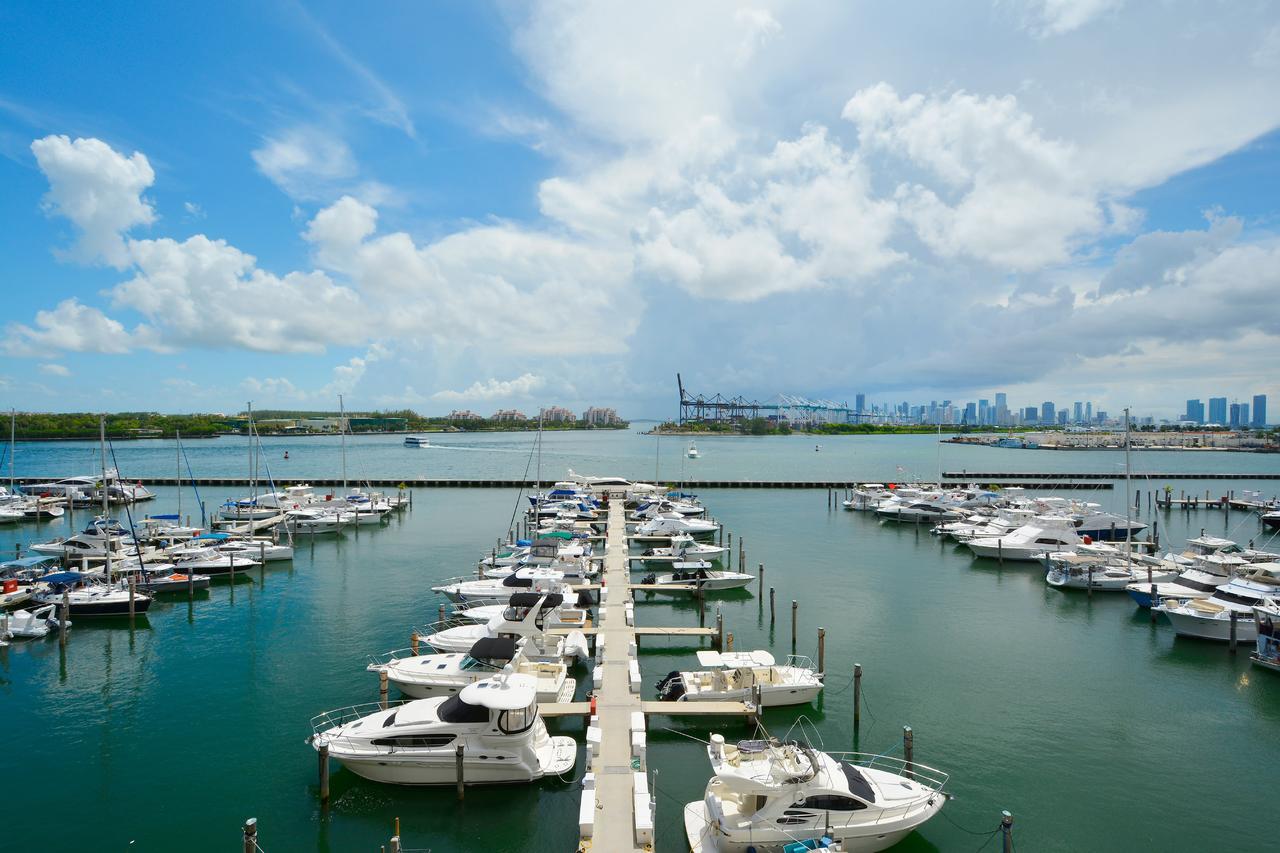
x=440, y=767
x=703, y=838
x=1211, y=628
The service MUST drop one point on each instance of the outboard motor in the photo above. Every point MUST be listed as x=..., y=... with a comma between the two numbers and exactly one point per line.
x=649, y=579
x=585, y=601
x=670, y=688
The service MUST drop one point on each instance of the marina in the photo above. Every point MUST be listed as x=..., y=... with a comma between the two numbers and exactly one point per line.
x=854, y=573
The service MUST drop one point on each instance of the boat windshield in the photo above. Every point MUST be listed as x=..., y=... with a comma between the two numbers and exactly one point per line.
x=519, y=720
x=454, y=710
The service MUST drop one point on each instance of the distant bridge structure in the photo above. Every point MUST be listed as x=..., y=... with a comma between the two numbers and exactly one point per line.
x=718, y=409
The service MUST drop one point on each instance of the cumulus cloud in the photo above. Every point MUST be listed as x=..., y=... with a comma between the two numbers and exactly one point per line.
x=51, y=369
x=71, y=326
x=305, y=162
x=1056, y=17
x=495, y=389
x=99, y=190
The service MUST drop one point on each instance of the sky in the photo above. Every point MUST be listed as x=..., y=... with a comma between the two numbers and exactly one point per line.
x=468, y=205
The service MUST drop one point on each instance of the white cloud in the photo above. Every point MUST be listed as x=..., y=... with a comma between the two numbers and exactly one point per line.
x=1058, y=17
x=99, y=190
x=272, y=388
x=71, y=326
x=305, y=162
x=194, y=211
x=51, y=369
x=495, y=389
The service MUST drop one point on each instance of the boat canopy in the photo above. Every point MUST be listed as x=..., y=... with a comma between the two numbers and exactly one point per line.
x=504, y=693
x=531, y=599
x=516, y=580
x=216, y=536
x=63, y=578
x=494, y=648
x=558, y=534
x=29, y=562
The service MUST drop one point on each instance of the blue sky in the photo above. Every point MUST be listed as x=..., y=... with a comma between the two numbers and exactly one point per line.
x=464, y=205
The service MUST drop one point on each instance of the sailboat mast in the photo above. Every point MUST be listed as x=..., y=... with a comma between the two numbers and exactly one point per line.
x=177, y=441
x=342, y=428
x=538, y=485
x=13, y=418
x=248, y=430
x=102, y=448
x=1128, y=489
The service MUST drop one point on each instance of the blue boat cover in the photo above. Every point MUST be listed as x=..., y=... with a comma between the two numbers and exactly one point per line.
x=62, y=577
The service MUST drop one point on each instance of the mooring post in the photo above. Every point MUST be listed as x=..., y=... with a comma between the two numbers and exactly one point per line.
x=382, y=689
x=231, y=563
x=728, y=642
x=719, y=629
x=795, y=607
x=1231, y=643
x=1154, y=601
x=908, y=749
x=323, y=754
x=822, y=651
x=1000, y=551
x=1089, y=585
x=413, y=643
x=458, y=764
x=1006, y=832
x=772, y=617
x=857, y=696
x=133, y=591
x=701, y=595
x=440, y=615
x=64, y=618
x=251, y=835
x=762, y=577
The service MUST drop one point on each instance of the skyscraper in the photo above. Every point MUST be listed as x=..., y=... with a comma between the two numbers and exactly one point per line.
x=984, y=412
x=860, y=403
x=1235, y=416
x=1047, y=413
x=1078, y=412
x=971, y=413
x=1259, y=410
x=1195, y=411
x=1002, y=409
x=1088, y=412
x=1218, y=411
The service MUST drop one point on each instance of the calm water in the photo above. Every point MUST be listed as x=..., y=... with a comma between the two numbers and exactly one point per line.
x=1096, y=729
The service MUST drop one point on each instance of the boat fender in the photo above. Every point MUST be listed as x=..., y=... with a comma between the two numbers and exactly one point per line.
x=1088, y=540
x=593, y=704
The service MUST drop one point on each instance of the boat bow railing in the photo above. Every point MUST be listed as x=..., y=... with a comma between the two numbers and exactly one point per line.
x=328, y=720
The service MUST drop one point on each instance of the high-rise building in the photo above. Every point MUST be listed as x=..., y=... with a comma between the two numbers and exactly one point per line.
x=1235, y=417
x=1030, y=415
x=860, y=403
x=970, y=414
x=1077, y=411
x=984, y=412
x=1195, y=411
x=1218, y=411
x=1002, y=409
x=1259, y=411
x=1047, y=415
x=1062, y=417
x=1088, y=412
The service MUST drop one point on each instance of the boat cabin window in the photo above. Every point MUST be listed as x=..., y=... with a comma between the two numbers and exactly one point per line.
x=519, y=720
x=832, y=803
x=415, y=741
x=454, y=710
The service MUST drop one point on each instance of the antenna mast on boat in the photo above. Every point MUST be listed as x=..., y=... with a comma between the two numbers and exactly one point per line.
x=177, y=439
x=106, y=519
x=253, y=479
x=1128, y=489
x=13, y=418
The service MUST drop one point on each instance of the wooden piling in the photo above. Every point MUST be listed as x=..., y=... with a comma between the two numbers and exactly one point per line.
x=440, y=615
x=1006, y=832
x=772, y=611
x=1089, y=585
x=251, y=835
x=857, y=696
x=795, y=607
x=1154, y=601
x=323, y=754
x=908, y=750
x=64, y=618
x=382, y=689
x=728, y=642
x=762, y=577
x=1231, y=641
x=458, y=755
x=133, y=591
x=413, y=643
x=822, y=651
x=231, y=563
x=1000, y=551
x=719, y=629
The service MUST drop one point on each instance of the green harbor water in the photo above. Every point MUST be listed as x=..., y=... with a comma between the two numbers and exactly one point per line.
x=1095, y=728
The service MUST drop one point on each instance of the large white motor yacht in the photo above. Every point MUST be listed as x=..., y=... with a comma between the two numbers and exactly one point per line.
x=424, y=676
x=522, y=580
x=496, y=722
x=529, y=615
x=1210, y=618
x=735, y=676
x=1043, y=534
x=672, y=524
x=766, y=795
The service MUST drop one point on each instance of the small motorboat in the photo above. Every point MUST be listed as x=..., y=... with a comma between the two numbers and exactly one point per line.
x=736, y=676
x=31, y=624
x=1267, y=653
x=699, y=574
x=162, y=580
x=495, y=721
x=692, y=452
x=416, y=441
x=531, y=615
x=87, y=597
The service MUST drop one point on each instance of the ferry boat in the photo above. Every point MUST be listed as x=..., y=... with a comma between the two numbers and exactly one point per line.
x=416, y=441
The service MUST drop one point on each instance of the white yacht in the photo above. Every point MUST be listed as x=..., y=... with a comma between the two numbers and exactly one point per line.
x=1112, y=572
x=531, y=616
x=317, y=521
x=684, y=549
x=208, y=561
x=765, y=795
x=424, y=676
x=1210, y=618
x=31, y=624
x=93, y=542
x=1190, y=583
x=699, y=574
x=672, y=524
x=522, y=580
x=734, y=676
x=87, y=597
x=496, y=722
x=692, y=452
x=416, y=441
x=75, y=488
x=1041, y=535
